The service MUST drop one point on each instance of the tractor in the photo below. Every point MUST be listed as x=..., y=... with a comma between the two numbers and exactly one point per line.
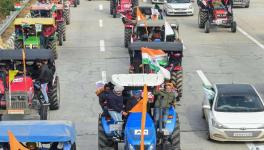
x=129, y=20
x=158, y=37
x=40, y=135
x=51, y=11
x=216, y=13
x=110, y=133
x=36, y=33
x=121, y=6
x=22, y=97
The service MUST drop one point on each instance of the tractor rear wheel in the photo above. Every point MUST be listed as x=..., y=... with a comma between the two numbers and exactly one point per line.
x=54, y=97
x=177, y=81
x=175, y=136
x=103, y=142
x=202, y=18
x=233, y=27
x=127, y=37
x=67, y=16
x=111, y=7
x=60, y=33
x=52, y=46
x=18, y=44
x=64, y=31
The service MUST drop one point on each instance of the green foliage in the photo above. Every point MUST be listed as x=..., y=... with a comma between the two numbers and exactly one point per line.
x=6, y=6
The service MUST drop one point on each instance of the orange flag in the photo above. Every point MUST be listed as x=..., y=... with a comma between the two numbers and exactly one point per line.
x=14, y=144
x=140, y=17
x=141, y=106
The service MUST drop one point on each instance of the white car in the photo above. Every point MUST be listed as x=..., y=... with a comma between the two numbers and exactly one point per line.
x=179, y=7
x=241, y=3
x=234, y=112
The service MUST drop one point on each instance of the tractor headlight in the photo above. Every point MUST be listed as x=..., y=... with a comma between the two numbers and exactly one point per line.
x=60, y=146
x=131, y=147
x=151, y=147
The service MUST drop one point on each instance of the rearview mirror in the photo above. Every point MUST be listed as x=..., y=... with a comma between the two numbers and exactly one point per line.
x=206, y=107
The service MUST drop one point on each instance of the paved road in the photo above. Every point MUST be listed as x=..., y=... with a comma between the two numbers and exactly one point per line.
x=223, y=56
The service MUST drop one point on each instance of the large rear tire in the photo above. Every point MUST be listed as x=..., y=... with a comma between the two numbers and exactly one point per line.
x=67, y=16
x=177, y=81
x=202, y=18
x=53, y=47
x=60, y=33
x=103, y=142
x=175, y=136
x=18, y=44
x=127, y=37
x=54, y=98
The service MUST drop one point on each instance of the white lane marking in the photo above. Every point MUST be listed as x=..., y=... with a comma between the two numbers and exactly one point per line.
x=102, y=45
x=104, y=76
x=250, y=37
x=184, y=47
x=204, y=79
x=100, y=23
x=252, y=146
x=101, y=7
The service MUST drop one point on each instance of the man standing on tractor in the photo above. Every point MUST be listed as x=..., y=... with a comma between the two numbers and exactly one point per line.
x=102, y=96
x=115, y=104
x=44, y=78
x=165, y=98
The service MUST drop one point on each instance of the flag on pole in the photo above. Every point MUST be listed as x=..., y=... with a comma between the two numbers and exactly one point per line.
x=141, y=106
x=141, y=17
x=168, y=30
x=154, y=58
x=14, y=144
x=12, y=74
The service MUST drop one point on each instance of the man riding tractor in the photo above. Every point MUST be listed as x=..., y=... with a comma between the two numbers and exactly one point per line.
x=23, y=92
x=36, y=33
x=139, y=88
x=51, y=11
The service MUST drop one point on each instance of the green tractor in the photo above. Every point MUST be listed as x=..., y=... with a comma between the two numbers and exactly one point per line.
x=36, y=33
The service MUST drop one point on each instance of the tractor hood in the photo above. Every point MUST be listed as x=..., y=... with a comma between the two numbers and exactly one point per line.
x=21, y=84
x=32, y=41
x=133, y=130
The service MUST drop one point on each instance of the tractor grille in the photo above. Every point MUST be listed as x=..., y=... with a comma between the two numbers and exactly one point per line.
x=17, y=105
x=243, y=134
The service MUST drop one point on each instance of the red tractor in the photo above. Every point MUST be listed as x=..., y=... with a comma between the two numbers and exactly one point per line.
x=22, y=98
x=121, y=6
x=216, y=13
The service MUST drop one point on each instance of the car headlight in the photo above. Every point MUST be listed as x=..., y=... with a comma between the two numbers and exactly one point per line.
x=190, y=7
x=217, y=125
x=151, y=147
x=131, y=147
x=169, y=7
x=261, y=127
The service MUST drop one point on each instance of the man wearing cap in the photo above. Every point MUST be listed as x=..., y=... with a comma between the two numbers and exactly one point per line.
x=115, y=103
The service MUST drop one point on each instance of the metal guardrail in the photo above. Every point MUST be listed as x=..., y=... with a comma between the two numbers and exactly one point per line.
x=9, y=19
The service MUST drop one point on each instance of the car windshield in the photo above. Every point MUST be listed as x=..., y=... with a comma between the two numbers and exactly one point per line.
x=239, y=103
x=178, y=1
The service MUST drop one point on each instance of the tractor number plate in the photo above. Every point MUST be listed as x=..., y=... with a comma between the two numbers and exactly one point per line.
x=115, y=127
x=15, y=111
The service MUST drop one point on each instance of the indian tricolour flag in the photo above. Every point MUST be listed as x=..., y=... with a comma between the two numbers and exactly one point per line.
x=154, y=59
x=18, y=6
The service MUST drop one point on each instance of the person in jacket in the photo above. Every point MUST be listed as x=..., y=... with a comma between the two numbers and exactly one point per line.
x=44, y=78
x=164, y=98
x=115, y=105
x=102, y=97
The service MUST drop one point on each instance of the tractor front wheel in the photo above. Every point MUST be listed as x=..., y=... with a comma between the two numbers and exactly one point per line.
x=111, y=7
x=207, y=27
x=127, y=37
x=175, y=136
x=54, y=97
x=75, y=3
x=53, y=47
x=78, y=2
x=43, y=112
x=103, y=141
x=233, y=27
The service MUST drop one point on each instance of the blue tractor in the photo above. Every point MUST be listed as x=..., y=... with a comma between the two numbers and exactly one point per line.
x=38, y=134
x=111, y=133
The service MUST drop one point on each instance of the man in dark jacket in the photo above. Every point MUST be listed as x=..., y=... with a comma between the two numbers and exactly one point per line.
x=115, y=103
x=44, y=78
